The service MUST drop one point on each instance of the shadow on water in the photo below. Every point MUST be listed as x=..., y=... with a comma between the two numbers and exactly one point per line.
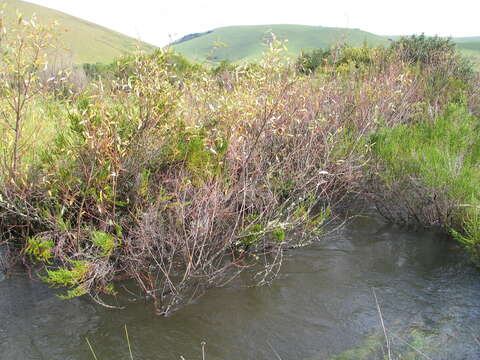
x=321, y=306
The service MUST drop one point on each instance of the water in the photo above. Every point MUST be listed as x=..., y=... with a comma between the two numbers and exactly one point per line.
x=321, y=305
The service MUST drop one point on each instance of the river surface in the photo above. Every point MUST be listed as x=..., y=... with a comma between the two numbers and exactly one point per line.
x=322, y=306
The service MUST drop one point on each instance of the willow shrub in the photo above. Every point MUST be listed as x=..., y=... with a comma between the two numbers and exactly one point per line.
x=181, y=185
x=182, y=182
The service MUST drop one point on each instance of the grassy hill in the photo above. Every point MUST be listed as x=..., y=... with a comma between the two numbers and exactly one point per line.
x=467, y=39
x=92, y=43
x=87, y=42
x=245, y=43
x=248, y=42
x=471, y=50
x=469, y=45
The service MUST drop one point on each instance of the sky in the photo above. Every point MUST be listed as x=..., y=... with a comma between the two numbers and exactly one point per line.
x=158, y=21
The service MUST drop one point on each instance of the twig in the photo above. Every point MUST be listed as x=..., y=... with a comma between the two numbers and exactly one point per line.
x=274, y=351
x=203, y=350
x=91, y=349
x=387, y=340
x=128, y=342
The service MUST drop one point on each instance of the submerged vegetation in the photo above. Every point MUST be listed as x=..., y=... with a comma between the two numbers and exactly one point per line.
x=180, y=176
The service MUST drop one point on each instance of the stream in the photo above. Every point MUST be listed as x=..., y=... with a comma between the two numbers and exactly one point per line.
x=322, y=306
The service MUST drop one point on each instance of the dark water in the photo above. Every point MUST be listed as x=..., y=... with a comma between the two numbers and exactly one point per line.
x=321, y=305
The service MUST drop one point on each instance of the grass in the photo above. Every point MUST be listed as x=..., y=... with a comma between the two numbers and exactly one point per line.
x=443, y=156
x=247, y=43
x=473, y=46
x=405, y=345
x=470, y=48
x=128, y=343
x=103, y=44
x=393, y=345
x=43, y=118
x=130, y=353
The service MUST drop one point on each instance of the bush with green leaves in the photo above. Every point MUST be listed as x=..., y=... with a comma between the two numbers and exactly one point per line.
x=437, y=55
x=344, y=58
x=308, y=62
x=179, y=177
x=425, y=50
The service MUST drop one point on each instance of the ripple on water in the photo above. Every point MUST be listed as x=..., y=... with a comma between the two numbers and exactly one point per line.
x=321, y=305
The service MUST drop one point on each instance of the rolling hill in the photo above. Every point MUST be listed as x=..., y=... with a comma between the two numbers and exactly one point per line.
x=237, y=43
x=471, y=50
x=87, y=42
x=469, y=45
x=245, y=43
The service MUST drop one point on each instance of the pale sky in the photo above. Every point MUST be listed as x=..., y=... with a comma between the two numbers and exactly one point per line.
x=157, y=22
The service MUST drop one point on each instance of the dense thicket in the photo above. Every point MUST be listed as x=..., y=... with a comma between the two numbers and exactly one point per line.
x=181, y=176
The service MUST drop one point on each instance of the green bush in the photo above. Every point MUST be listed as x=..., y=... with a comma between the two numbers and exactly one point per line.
x=421, y=49
x=357, y=56
x=308, y=62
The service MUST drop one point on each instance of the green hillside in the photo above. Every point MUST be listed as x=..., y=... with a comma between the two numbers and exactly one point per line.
x=471, y=46
x=87, y=42
x=467, y=39
x=237, y=43
x=244, y=43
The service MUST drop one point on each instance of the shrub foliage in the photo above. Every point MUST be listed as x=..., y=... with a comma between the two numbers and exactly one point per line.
x=180, y=176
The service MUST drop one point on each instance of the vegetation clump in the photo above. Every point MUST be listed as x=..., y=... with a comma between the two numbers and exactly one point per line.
x=181, y=176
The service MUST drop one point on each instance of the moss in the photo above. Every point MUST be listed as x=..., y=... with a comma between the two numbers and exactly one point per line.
x=40, y=249
x=252, y=234
x=106, y=242
x=72, y=278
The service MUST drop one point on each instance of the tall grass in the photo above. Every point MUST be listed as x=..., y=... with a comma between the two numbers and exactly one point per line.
x=437, y=163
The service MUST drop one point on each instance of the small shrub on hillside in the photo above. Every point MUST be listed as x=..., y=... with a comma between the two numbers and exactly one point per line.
x=121, y=69
x=344, y=59
x=308, y=62
x=357, y=56
x=437, y=56
x=425, y=50
x=25, y=47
